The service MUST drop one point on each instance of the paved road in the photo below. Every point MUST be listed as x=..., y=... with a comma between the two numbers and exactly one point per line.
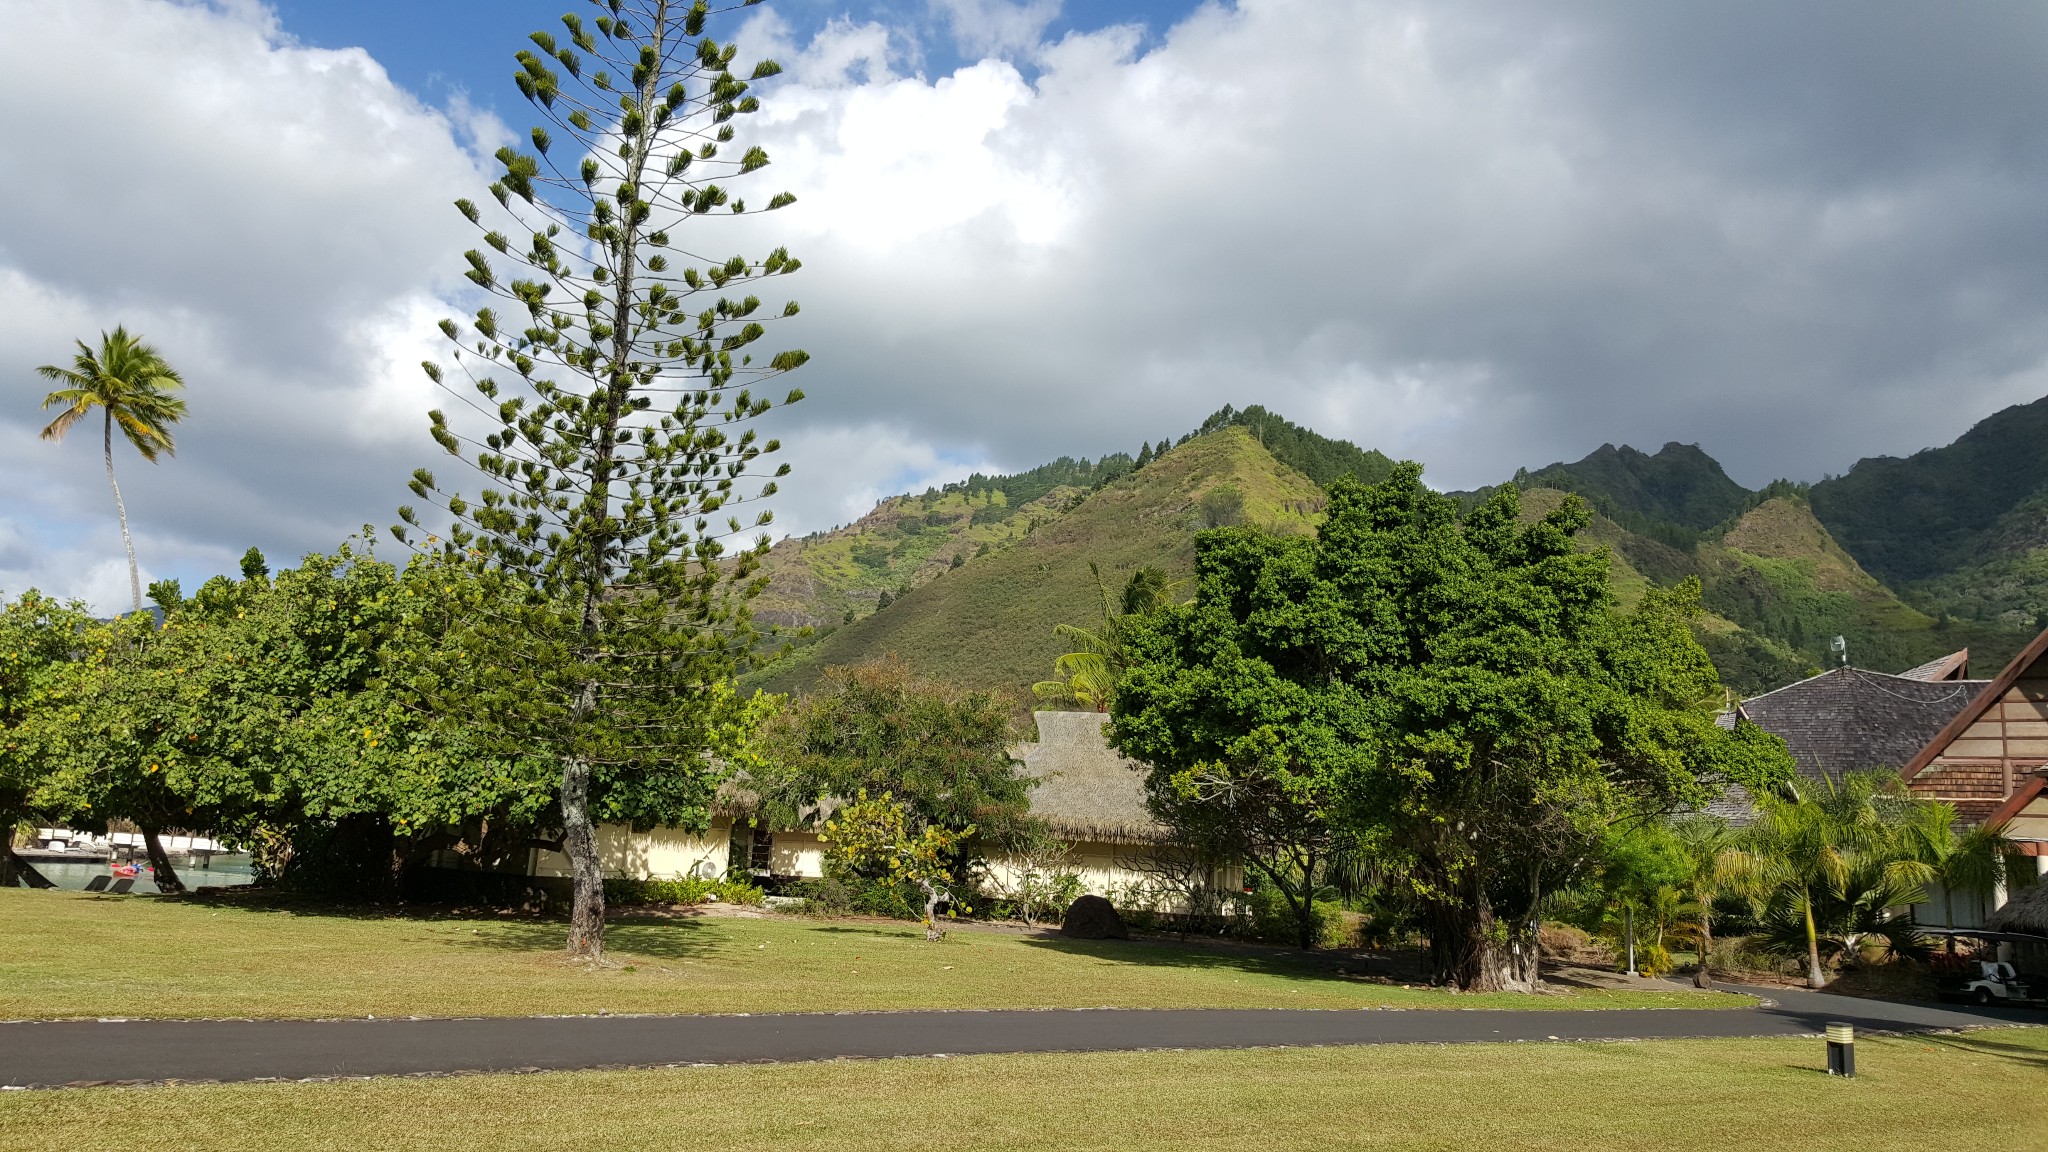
x=56, y=1053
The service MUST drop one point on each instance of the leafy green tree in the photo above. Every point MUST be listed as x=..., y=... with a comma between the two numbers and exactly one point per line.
x=280, y=711
x=619, y=385
x=942, y=753
x=1638, y=879
x=132, y=385
x=115, y=727
x=39, y=637
x=1459, y=697
x=1257, y=808
x=879, y=840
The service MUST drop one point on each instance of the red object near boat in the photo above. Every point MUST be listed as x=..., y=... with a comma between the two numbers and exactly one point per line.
x=126, y=870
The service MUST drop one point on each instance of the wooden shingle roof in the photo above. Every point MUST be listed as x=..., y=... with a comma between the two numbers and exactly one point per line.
x=1954, y=666
x=1850, y=720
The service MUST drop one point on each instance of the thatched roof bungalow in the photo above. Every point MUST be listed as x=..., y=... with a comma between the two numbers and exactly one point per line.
x=1087, y=794
x=1086, y=791
x=2026, y=911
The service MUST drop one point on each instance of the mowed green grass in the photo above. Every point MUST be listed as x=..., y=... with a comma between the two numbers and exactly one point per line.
x=71, y=954
x=1980, y=1090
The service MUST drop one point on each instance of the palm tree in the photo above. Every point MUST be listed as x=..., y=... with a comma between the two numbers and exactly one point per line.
x=131, y=384
x=1710, y=848
x=1087, y=675
x=1971, y=861
x=1825, y=848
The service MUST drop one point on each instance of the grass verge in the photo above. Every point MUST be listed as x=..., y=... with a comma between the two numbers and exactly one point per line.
x=71, y=954
x=1977, y=1090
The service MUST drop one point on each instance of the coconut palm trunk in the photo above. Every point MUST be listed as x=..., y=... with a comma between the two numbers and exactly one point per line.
x=1815, y=978
x=132, y=386
x=121, y=511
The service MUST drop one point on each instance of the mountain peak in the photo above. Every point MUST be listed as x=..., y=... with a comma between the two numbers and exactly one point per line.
x=1680, y=484
x=988, y=622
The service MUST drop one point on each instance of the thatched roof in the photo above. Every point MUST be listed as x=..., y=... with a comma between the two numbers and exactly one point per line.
x=2026, y=911
x=1086, y=790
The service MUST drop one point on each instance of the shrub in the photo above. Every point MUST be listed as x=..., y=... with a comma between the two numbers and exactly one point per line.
x=1568, y=945
x=1737, y=954
x=826, y=897
x=1273, y=920
x=845, y=894
x=688, y=890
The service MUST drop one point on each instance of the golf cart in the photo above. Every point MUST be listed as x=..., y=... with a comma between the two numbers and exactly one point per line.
x=1987, y=975
x=1994, y=982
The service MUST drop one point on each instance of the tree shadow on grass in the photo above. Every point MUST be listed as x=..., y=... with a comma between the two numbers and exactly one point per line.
x=328, y=908
x=1977, y=1043
x=669, y=938
x=880, y=931
x=1334, y=967
x=657, y=939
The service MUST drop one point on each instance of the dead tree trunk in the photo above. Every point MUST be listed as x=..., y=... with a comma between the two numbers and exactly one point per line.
x=933, y=896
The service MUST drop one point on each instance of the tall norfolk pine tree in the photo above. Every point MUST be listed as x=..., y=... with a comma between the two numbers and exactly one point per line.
x=620, y=396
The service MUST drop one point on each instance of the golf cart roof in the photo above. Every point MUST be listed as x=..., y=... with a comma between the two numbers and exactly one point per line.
x=1984, y=934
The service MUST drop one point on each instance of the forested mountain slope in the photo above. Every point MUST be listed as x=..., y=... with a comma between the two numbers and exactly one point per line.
x=966, y=582
x=989, y=622
x=1961, y=529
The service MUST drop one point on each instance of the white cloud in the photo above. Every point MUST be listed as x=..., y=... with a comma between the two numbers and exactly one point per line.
x=275, y=218
x=1481, y=233
x=997, y=27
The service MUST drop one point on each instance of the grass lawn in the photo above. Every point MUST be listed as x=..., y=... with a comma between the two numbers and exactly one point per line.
x=1980, y=1090
x=71, y=954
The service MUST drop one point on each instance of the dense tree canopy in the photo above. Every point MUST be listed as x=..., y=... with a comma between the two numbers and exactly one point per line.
x=940, y=752
x=39, y=636
x=1458, y=695
x=280, y=711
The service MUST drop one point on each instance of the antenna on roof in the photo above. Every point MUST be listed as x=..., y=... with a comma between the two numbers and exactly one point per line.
x=1839, y=646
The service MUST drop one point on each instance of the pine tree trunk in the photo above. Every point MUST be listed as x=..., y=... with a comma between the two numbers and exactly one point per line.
x=121, y=510
x=579, y=844
x=160, y=863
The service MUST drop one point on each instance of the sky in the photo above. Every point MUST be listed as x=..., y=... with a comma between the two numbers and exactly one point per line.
x=1482, y=234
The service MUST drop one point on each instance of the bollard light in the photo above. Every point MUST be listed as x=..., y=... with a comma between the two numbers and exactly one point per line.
x=1841, y=1050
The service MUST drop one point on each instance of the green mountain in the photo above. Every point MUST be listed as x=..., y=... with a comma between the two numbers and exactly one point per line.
x=1680, y=484
x=1315, y=456
x=966, y=582
x=988, y=623
x=1670, y=497
x=1779, y=573
x=1961, y=530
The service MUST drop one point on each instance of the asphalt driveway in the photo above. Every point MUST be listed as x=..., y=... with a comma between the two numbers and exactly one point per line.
x=60, y=1053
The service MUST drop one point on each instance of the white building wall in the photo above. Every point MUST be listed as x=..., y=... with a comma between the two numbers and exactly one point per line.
x=660, y=854
x=668, y=854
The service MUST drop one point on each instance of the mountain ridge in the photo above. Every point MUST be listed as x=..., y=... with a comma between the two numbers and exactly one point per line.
x=1779, y=582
